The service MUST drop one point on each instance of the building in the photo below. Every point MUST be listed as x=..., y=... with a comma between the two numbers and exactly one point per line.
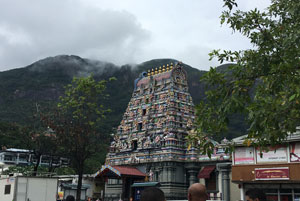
x=91, y=187
x=276, y=170
x=150, y=145
x=12, y=156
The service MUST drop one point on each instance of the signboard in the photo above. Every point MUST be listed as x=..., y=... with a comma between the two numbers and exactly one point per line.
x=274, y=155
x=280, y=173
x=60, y=195
x=295, y=152
x=244, y=155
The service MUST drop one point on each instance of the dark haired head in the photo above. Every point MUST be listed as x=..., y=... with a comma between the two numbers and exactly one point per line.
x=256, y=194
x=152, y=194
x=70, y=198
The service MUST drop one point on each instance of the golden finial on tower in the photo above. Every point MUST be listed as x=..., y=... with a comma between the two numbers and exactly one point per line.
x=155, y=71
x=159, y=69
x=163, y=70
x=149, y=72
x=152, y=73
x=171, y=66
x=167, y=68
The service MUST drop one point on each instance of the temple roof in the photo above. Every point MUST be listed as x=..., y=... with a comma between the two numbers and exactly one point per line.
x=119, y=171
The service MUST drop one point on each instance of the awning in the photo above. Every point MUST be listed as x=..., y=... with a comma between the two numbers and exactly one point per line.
x=146, y=184
x=119, y=171
x=206, y=171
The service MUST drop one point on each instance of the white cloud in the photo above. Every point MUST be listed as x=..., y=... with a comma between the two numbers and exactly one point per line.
x=119, y=31
x=66, y=27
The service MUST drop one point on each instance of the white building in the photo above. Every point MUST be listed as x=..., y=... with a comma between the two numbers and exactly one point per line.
x=12, y=156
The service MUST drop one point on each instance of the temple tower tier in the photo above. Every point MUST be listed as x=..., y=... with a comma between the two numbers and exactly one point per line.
x=151, y=138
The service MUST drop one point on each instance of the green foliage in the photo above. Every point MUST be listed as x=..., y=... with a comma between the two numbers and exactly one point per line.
x=264, y=82
x=25, y=170
x=64, y=171
x=95, y=163
x=10, y=135
x=77, y=122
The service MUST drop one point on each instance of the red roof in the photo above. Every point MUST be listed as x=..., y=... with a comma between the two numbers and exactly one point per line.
x=119, y=171
x=206, y=171
x=125, y=170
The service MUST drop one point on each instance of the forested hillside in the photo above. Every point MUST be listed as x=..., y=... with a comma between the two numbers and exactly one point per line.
x=39, y=85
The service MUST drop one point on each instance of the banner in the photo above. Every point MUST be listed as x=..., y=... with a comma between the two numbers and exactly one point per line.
x=243, y=155
x=280, y=173
x=274, y=155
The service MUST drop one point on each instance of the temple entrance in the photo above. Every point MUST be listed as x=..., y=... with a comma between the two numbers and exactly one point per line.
x=122, y=178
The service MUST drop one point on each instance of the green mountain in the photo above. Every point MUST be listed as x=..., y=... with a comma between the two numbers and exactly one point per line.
x=40, y=84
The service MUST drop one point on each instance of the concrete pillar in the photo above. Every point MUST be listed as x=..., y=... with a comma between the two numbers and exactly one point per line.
x=225, y=169
x=173, y=174
x=18, y=157
x=160, y=174
x=242, y=192
x=165, y=174
x=193, y=176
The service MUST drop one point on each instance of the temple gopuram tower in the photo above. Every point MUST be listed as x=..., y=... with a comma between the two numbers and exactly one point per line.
x=149, y=145
x=156, y=120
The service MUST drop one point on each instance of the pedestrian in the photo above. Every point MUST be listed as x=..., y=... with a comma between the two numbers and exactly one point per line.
x=70, y=198
x=197, y=192
x=152, y=194
x=255, y=194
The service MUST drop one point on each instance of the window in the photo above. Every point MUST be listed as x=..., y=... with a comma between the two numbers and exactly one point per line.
x=144, y=112
x=134, y=145
x=8, y=158
x=7, y=189
x=140, y=126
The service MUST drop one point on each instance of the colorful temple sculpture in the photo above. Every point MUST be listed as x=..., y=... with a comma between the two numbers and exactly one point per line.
x=151, y=138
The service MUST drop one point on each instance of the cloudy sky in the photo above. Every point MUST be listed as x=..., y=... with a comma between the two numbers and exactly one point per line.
x=118, y=31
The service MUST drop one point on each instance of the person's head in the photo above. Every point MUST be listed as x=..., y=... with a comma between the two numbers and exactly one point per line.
x=152, y=194
x=197, y=192
x=70, y=198
x=255, y=195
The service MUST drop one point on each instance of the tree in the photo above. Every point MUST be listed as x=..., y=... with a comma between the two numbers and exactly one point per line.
x=264, y=82
x=76, y=123
x=9, y=135
x=41, y=143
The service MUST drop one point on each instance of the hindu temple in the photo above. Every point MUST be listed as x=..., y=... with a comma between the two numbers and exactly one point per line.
x=149, y=147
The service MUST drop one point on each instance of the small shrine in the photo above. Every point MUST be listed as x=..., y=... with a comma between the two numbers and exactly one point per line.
x=151, y=135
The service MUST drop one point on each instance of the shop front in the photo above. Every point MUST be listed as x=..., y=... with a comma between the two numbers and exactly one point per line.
x=276, y=171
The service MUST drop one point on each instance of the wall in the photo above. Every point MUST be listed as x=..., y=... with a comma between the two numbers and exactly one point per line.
x=7, y=181
x=243, y=173
x=234, y=190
